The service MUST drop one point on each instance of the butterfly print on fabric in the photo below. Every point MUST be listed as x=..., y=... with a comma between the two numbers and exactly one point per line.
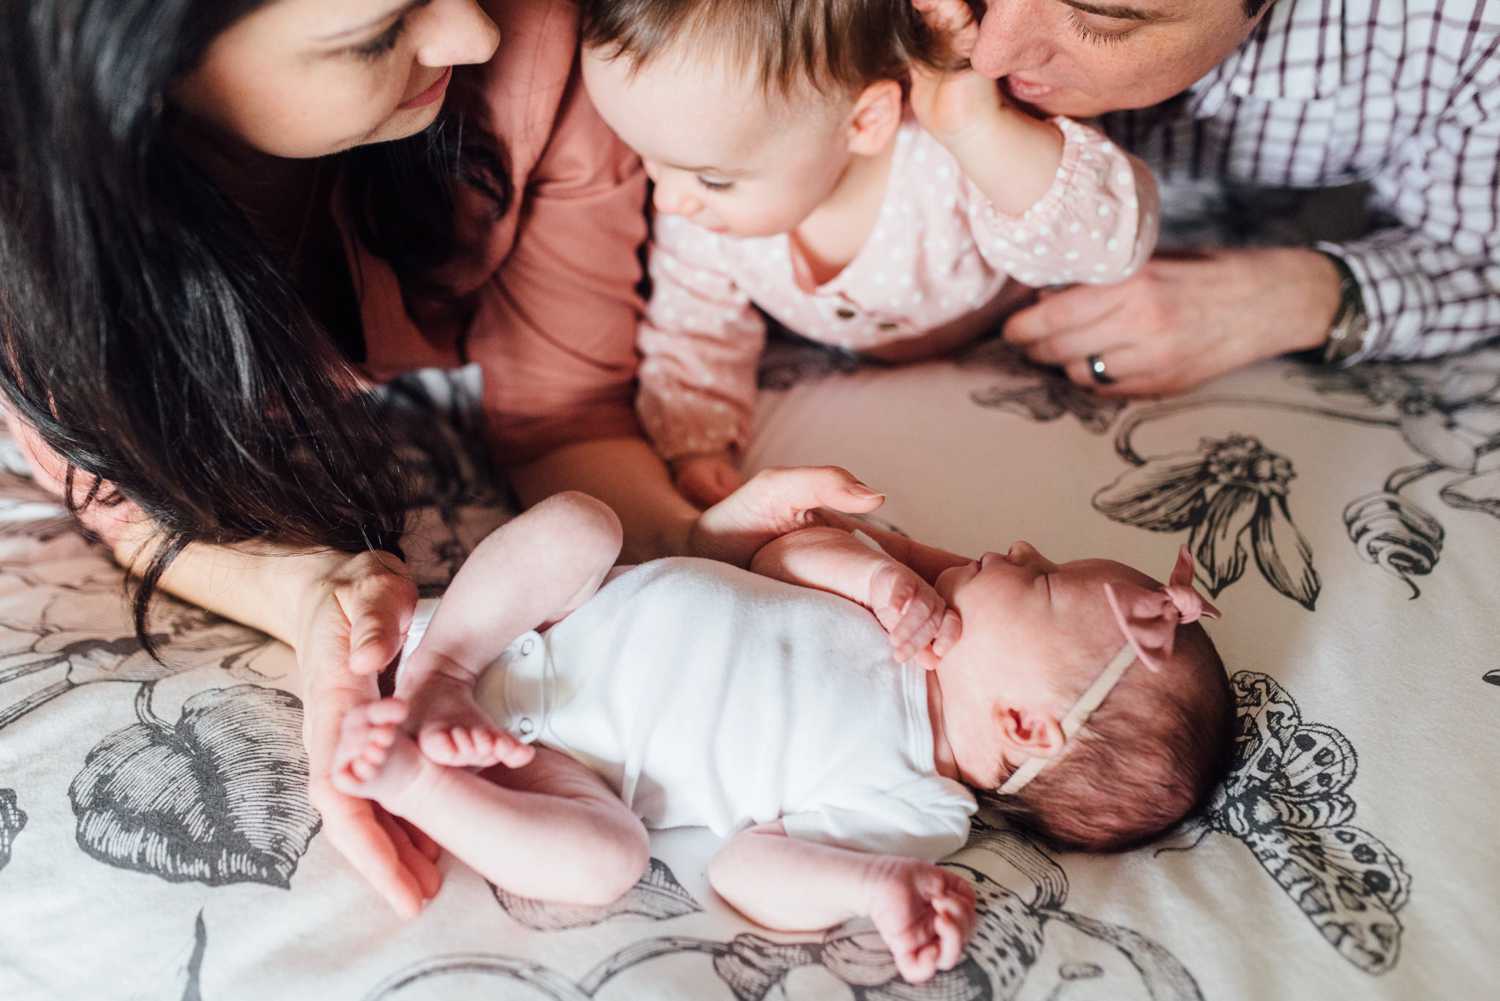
x=1287, y=800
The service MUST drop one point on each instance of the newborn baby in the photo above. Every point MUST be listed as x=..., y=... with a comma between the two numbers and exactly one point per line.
x=689, y=692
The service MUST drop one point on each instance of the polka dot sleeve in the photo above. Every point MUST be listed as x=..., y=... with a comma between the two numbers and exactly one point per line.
x=1097, y=223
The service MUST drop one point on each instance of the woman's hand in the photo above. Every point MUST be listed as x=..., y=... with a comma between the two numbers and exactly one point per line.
x=773, y=503
x=354, y=623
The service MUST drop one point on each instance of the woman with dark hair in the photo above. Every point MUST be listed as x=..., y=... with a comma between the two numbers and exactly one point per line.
x=220, y=221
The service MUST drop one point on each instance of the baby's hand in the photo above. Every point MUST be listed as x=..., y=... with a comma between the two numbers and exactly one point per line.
x=706, y=479
x=924, y=913
x=911, y=611
x=949, y=103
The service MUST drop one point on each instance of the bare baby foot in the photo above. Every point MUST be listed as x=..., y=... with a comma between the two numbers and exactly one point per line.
x=455, y=731
x=925, y=915
x=374, y=759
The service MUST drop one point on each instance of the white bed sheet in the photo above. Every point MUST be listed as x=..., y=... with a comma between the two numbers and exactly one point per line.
x=155, y=840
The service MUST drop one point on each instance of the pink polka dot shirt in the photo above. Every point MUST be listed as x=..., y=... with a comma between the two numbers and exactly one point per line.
x=940, y=256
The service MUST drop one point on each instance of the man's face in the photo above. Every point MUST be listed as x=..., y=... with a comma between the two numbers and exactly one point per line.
x=1084, y=57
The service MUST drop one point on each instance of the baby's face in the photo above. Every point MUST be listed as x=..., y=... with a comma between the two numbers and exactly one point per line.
x=1033, y=631
x=722, y=153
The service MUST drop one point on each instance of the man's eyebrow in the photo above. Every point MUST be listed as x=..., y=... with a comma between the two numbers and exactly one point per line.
x=1117, y=11
x=360, y=29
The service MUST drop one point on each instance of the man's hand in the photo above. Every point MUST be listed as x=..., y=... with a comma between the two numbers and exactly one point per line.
x=1180, y=322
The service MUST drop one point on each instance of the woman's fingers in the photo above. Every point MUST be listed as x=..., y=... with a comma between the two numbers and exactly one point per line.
x=379, y=609
x=774, y=502
x=421, y=841
x=352, y=827
x=424, y=869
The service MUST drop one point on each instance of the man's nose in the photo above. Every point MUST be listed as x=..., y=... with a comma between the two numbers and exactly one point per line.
x=1012, y=37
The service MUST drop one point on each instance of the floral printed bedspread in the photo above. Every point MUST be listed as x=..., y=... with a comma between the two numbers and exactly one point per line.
x=156, y=840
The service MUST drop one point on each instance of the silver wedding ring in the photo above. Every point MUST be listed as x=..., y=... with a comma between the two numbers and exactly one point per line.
x=1098, y=371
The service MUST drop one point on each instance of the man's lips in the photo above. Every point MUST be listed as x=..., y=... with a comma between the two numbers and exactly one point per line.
x=1027, y=90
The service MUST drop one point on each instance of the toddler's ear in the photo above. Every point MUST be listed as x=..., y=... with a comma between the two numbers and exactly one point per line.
x=876, y=117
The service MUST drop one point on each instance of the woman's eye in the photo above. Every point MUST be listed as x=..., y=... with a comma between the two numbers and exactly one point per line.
x=1094, y=35
x=382, y=44
x=713, y=185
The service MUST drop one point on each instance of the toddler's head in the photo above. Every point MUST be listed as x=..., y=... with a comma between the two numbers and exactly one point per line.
x=1041, y=642
x=747, y=113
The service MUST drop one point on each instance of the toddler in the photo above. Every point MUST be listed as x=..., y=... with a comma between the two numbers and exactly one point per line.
x=794, y=179
x=690, y=692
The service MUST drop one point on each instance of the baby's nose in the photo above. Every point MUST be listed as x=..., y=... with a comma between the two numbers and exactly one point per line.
x=1020, y=552
x=674, y=202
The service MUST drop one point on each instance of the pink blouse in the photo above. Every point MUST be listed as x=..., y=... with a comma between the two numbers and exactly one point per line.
x=940, y=256
x=549, y=307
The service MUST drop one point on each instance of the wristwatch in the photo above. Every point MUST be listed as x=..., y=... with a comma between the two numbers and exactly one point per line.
x=1346, y=335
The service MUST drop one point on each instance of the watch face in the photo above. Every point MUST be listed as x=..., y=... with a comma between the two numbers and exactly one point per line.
x=1347, y=334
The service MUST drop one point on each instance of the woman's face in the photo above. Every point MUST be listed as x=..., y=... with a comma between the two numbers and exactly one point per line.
x=307, y=78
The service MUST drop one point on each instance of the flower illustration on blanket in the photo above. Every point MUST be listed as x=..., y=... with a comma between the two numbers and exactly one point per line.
x=1451, y=418
x=657, y=896
x=12, y=819
x=1046, y=394
x=1231, y=491
x=218, y=797
x=1287, y=800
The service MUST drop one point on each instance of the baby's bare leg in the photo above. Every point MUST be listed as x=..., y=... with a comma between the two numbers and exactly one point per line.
x=531, y=571
x=551, y=829
x=924, y=913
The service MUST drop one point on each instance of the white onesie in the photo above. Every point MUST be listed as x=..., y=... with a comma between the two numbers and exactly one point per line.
x=706, y=695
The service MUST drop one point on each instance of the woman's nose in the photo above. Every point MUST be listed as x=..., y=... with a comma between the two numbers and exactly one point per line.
x=454, y=33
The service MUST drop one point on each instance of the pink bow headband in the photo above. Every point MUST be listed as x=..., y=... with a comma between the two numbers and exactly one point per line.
x=1149, y=618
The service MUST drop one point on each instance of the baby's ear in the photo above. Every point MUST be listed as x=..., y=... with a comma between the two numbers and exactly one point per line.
x=876, y=117
x=1027, y=733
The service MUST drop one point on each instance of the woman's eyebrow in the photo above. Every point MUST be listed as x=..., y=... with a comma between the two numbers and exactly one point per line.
x=339, y=36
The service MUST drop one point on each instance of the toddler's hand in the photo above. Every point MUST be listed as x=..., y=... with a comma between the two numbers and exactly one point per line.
x=910, y=610
x=949, y=103
x=924, y=913
x=706, y=479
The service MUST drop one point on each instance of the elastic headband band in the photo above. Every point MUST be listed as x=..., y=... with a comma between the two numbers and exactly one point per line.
x=1075, y=719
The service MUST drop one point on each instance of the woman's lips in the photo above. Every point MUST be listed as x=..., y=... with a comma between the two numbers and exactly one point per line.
x=431, y=94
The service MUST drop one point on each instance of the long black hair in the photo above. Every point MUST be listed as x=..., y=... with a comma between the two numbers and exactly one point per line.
x=147, y=333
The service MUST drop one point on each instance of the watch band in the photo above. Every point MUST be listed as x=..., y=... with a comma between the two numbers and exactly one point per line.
x=1346, y=335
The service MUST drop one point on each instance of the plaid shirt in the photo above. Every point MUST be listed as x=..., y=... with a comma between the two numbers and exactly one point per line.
x=1402, y=94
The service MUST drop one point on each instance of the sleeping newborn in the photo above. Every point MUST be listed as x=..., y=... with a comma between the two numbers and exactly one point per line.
x=774, y=708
